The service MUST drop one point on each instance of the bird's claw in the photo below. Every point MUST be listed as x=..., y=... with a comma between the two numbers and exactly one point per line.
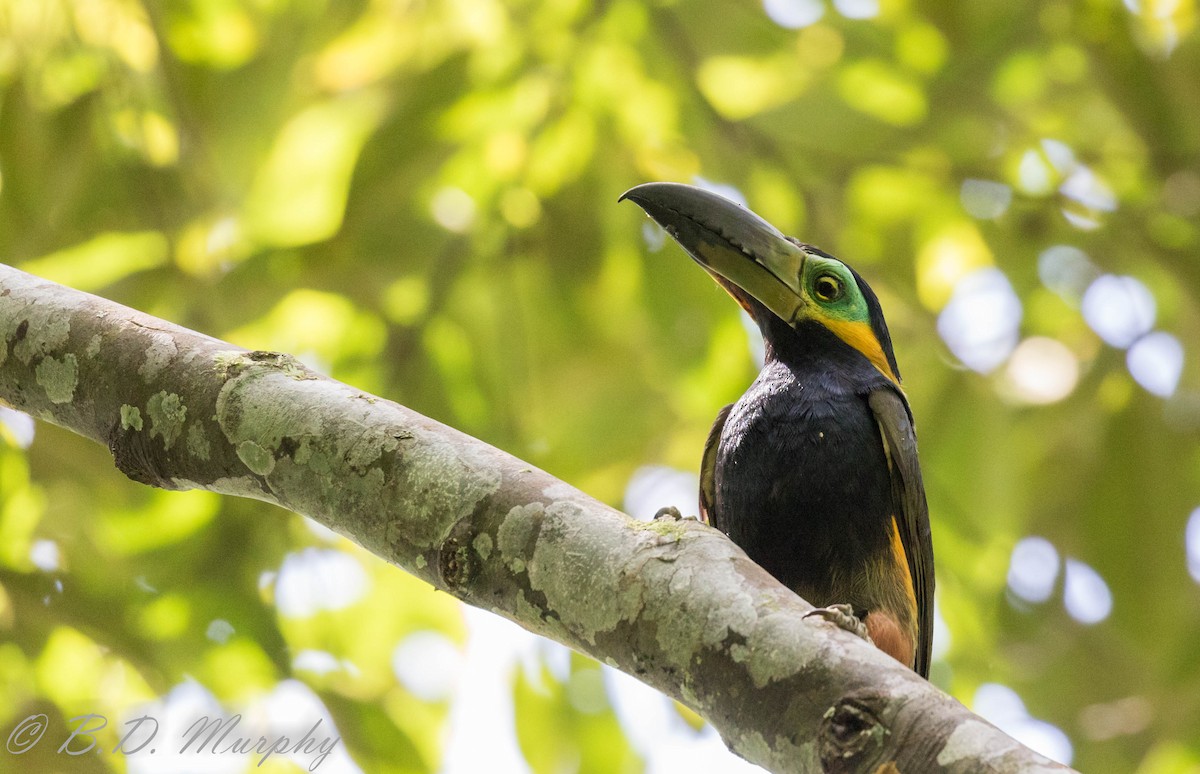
x=843, y=617
x=671, y=512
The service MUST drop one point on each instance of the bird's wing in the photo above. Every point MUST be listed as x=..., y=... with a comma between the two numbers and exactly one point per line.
x=708, y=468
x=908, y=492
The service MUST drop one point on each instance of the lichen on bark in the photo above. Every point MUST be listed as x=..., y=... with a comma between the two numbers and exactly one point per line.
x=674, y=603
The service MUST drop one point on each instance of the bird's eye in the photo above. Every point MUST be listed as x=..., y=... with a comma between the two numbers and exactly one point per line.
x=827, y=288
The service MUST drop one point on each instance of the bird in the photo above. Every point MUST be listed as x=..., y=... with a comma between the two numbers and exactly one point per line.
x=813, y=472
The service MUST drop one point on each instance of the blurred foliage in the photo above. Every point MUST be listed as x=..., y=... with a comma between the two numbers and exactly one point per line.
x=563, y=726
x=419, y=198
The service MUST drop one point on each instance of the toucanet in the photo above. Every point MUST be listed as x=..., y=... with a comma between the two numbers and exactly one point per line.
x=814, y=471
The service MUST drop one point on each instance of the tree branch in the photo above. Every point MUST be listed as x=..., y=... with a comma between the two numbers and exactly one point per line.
x=674, y=603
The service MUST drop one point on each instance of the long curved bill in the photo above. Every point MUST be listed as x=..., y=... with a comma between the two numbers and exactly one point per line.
x=729, y=241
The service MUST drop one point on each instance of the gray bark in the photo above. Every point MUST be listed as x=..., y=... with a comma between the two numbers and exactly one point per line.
x=672, y=602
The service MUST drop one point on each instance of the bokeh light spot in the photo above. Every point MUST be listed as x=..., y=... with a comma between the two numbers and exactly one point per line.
x=985, y=199
x=1042, y=370
x=1119, y=309
x=1085, y=187
x=1191, y=537
x=657, y=486
x=980, y=324
x=1001, y=705
x=427, y=665
x=45, y=555
x=1034, y=175
x=1156, y=362
x=946, y=259
x=1046, y=738
x=453, y=209
x=1066, y=270
x=942, y=637
x=1085, y=594
x=1060, y=155
x=520, y=207
x=219, y=630
x=998, y=703
x=315, y=579
x=318, y=662
x=19, y=425
x=857, y=9
x=794, y=14
x=1088, y=197
x=1033, y=569
x=1121, y=717
x=732, y=193
x=654, y=236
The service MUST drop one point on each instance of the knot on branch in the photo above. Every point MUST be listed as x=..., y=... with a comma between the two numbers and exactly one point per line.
x=852, y=735
x=233, y=363
x=457, y=563
x=139, y=457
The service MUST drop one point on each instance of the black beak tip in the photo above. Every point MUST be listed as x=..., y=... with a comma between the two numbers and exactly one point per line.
x=657, y=199
x=632, y=193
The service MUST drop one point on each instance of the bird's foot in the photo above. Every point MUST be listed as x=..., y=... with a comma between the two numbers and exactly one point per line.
x=671, y=512
x=843, y=617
